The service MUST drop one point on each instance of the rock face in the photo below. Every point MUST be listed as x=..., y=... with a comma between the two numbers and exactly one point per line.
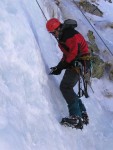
x=109, y=1
x=109, y=25
x=92, y=44
x=109, y=70
x=57, y=2
x=98, y=65
x=91, y=8
x=111, y=74
x=94, y=1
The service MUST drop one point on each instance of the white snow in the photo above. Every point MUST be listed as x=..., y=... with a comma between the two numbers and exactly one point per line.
x=31, y=105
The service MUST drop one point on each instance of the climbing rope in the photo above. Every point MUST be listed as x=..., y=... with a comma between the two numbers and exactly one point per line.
x=41, y=9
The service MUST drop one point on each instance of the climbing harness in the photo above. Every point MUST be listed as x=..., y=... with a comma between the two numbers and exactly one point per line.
x=81, y=70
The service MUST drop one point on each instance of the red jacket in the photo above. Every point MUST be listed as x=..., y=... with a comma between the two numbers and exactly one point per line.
x=72, y=44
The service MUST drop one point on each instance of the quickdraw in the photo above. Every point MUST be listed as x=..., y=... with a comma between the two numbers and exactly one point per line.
x=80, y=69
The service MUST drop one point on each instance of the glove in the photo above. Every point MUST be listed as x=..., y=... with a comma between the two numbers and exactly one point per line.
x=62, y=65
x=55, y=71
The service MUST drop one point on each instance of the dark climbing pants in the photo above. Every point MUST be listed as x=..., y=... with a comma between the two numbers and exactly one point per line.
x=68, y=82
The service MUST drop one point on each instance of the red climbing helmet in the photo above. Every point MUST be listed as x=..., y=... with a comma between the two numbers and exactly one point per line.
x=52, y=24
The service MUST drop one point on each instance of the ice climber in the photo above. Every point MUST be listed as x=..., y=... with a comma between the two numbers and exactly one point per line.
x=72, y=45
